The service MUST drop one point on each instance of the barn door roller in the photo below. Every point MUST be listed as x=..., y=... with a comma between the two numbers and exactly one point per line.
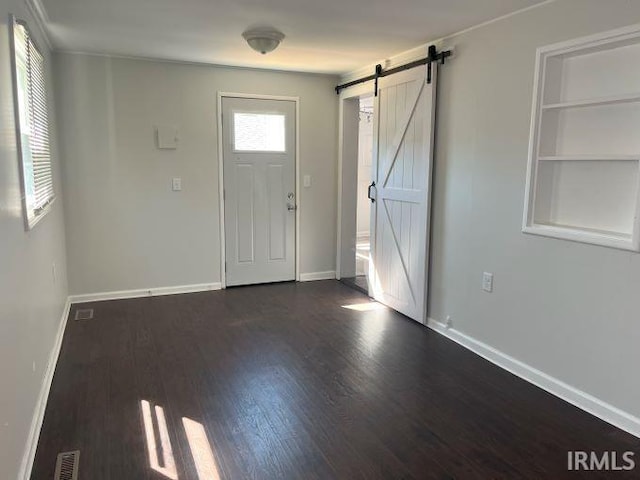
x=434, y=56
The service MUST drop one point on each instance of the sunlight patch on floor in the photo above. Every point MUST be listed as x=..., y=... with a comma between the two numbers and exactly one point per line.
x=365, y=307
x=200, y=450
x=160, y=456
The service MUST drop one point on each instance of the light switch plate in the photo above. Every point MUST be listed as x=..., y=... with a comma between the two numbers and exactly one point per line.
x=487, y=282
x=176, y=184
x=306, y=181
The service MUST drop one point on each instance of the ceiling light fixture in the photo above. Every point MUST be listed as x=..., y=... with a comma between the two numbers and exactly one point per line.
x=263, y=40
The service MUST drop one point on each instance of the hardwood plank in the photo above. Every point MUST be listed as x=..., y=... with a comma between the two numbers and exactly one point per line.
x=285, y=383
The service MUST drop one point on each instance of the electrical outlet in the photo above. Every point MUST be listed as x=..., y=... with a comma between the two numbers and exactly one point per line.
x=176, y=184
x=487, y=282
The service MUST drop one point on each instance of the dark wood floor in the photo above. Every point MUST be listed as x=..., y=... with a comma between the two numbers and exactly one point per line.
x=282, y=382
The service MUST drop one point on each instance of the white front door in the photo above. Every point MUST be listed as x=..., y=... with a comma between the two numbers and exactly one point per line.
x=403, y=155
x=259, y=190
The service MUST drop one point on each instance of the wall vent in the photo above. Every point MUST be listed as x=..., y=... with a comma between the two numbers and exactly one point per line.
x=67, y=466
x=84, y=314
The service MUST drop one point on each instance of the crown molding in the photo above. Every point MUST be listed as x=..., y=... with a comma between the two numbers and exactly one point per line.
x=142, y=58
x=422, y=51
x=41, y=17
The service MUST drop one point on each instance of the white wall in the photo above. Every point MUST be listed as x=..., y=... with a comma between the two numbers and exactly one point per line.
x=568, y=309
x=31, y=303
x=126, y=229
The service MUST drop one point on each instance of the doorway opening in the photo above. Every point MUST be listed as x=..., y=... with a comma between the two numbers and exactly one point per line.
x=357, y=214
x=362, y=248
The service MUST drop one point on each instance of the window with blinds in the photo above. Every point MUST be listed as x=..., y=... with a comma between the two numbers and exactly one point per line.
x=32, y=125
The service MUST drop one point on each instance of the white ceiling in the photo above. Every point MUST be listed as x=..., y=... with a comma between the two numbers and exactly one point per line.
x=328, y=36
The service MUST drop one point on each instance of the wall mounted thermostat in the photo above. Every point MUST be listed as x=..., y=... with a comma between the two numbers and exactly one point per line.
x=167, y=137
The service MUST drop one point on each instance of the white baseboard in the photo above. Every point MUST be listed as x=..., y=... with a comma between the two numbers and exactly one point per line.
x=146, y=292
x=38, y=416
x=310, y=277
x=580, y=399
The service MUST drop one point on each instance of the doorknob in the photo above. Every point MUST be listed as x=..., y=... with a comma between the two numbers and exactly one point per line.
x=291, y=206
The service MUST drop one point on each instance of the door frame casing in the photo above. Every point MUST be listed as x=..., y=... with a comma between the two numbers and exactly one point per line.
x=221, y=199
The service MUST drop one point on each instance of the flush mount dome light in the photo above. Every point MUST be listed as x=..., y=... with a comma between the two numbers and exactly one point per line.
x=263, y=40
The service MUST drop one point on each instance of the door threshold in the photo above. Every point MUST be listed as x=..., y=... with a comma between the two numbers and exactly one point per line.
x=257, y=284
x=357, y=283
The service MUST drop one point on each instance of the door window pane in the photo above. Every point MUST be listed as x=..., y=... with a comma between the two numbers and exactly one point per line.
x=258, y=132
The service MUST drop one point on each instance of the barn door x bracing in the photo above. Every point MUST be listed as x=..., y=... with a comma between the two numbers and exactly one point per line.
x=403, y=157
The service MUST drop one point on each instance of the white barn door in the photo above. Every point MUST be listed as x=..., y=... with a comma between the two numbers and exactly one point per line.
x=403, y=156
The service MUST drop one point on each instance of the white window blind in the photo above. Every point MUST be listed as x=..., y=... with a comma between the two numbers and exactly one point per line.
x=32, y=125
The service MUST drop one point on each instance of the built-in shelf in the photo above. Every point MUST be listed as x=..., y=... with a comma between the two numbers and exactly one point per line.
x=583, y=179
x=594, y=102
x=618, y=240
x=587, y=158
x=594, y=231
